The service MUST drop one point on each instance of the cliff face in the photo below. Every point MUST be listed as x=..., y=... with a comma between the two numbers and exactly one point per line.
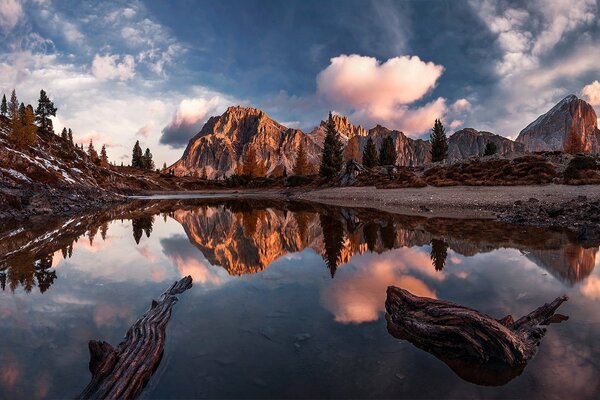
x=469, y=142
x=410, y=152
x=570, y=126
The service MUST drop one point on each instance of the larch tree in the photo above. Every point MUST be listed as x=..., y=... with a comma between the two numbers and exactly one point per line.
x=301, y=166
x=331, y=159
x=251, y=165
x=44, y=111
x=22, y=113
x=4, y=106
x=439, y=142
x=352, y=151
x=92, y=153
x=136, y=157
x=387, y=153
x=370, y=156
x=29, y=128
x=103, y=157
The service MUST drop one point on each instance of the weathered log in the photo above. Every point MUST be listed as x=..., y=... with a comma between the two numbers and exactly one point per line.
x=476, y=347
x=123, y=372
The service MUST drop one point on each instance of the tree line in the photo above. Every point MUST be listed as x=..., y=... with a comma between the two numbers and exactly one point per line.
x=26, y=123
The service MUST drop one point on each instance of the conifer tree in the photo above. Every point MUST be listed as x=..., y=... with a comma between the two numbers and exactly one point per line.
x=136, y=158
x=490, y=149
x=387, y=153
x=44, y=111
x=64, y=134
x=70, y=136
x=351, y=151
x=15, y=120
x=164, y=165
x=147, y=162
x=331, y=159
x=301, y=166
x=439, y=142
x=251, y=166
x=22, y=113
x=4, y=106
x=103, y=157
x=370, y=157
x=29, y=127
x=92, y=153
x=439, y=253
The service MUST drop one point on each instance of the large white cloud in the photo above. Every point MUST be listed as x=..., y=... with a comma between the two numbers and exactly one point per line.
x=377, y=92
x=108, y=67
x=592, y=93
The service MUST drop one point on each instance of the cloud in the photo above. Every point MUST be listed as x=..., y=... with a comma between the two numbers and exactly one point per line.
x=144, y=131
x=187, y=120
x=592, y=93
x=460, y=105
x=381, y=92
x=108, y=67
x=456, y=124
x=11, y=12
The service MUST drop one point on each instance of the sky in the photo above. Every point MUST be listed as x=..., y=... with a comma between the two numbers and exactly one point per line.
x=155, y=71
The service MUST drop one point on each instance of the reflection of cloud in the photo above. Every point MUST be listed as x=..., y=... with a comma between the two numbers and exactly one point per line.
x=591, y=288
x=358, y=292
x=108, y=314
x=187, y=260
x=146, y=252
x=97, y=245
x=9, y=374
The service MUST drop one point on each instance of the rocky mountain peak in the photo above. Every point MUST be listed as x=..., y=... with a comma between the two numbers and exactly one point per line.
x=346, y=129
x=571, y=126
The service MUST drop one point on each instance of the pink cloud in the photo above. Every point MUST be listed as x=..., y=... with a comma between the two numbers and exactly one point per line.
x=592, y=93
x=146, y=253
x=144, y=131
x=109, y=314
x=11, y=12
x=460, y=105
x=382, y=92
x=199, y=271
x=187, y=120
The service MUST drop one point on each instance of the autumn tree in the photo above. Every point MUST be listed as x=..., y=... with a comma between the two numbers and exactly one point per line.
x=103, y=157
x=137, y=156
x=369, y=157
x=387, y=152
x=351, y=151
x=331, y=159
x=44, y=111
x=4, y=106
x=301, y=166
x=490, y=149
x=251, y=166
x=15, y=120
x=439, y=142
x=29, y=129
x=22, y=113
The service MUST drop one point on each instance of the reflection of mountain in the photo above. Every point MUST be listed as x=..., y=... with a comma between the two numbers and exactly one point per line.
x=246, y=239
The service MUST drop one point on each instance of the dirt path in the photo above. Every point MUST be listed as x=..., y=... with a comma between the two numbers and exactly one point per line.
x=454, y=201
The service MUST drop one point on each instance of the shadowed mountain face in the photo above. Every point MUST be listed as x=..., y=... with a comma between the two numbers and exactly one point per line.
x=246, y=237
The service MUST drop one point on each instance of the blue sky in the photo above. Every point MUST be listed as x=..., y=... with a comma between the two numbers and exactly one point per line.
x=154, y=71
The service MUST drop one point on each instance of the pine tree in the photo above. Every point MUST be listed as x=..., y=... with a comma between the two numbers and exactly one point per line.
x=136, y=158
x=64, y=134
x=92, y=153
x=147, y=162
x=103, y=157
x=22, y=113
x=164, y=165
x=490, y=149
x=70, y=136
x=331, y=160
x=301, y=166
x=370, y=157
x=29, y=128
x=439, y=142
x=4, y=106
x=43, y=112
x=387, y=153
x=351, y=151
x=15, y=121
x=439, y=253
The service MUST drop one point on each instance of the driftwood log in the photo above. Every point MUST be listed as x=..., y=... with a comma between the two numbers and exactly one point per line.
x=123, y=372
x=476, y=347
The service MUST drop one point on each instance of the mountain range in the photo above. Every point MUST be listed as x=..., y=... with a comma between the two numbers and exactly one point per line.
x=223, y=141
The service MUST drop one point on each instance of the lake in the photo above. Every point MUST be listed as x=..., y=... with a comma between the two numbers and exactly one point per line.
x=288, y=299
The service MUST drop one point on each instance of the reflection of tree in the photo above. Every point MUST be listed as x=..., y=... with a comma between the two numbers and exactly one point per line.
x=302, y=219
x=250, y=221
x=24, y=270
x=92, y=234
x=439, y=252
x=388, y=235
x=333, y=237
x=104, y=230
x=370, y=233
x=142, y=225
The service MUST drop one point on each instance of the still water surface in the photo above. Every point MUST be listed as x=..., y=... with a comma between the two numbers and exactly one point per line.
x=288, y=300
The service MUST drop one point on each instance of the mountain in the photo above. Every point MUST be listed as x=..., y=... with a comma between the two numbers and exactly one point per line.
x=410, y=152
x=570, y=126
x=470, y=142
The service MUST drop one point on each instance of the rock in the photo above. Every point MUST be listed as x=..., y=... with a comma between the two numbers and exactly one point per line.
x=570, y=126
x=470, y=142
